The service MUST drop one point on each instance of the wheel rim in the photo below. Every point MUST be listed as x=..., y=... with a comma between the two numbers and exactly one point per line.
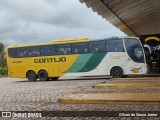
x=117, y=73
x=31, y=76
x=43, y=75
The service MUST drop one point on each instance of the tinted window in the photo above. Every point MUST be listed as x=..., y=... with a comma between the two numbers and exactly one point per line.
x=63, y=49
x=114, y=46
x=13, y=52
x=134, y=50
x=22, y=52
x=97, y=46
x=17, y=52
x=48, y=50
x=33, y=51
x=79, y=48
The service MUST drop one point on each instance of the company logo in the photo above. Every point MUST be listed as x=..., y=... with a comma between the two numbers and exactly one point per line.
x=21, y=114
x=50, y=60
x=6, y=114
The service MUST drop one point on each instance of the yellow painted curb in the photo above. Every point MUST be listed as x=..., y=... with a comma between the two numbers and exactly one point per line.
x=115, y=98
x=143, y=75
x=127, y=86
x=144, y=78
x=135, y=80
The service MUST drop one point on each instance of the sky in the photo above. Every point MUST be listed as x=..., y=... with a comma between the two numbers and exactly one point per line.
x=41, y=21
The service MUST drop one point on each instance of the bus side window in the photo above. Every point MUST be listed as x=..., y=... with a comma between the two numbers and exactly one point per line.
x=48, y=50
x=114, y=46
x=97, y=46
x=33, y=51
x=79, y=48
x=22, y=52
x=85, y=50
x=120, y=47
x=62, y=49
x=75, y=50
x=13, y=52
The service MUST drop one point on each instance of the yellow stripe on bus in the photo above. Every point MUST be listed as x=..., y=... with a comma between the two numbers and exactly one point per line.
x=54, y=65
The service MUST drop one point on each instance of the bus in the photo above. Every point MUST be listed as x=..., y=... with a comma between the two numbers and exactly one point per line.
x=115, y=56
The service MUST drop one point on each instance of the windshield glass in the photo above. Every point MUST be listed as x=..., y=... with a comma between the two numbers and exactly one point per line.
x=134, y=49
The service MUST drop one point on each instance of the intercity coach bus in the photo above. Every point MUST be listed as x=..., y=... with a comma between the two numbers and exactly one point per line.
x=77, y=57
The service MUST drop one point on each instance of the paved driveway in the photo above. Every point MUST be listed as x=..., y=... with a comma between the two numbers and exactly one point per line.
x=21, y=95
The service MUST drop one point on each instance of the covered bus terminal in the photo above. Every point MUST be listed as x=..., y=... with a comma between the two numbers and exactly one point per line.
x=133, y=97
x=138, y=18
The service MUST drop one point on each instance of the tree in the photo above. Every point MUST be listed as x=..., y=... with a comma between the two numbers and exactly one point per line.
x=2, y=55
x=1, y=47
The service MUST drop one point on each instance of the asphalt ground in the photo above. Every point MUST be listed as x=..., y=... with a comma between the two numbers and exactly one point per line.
x=21, y=95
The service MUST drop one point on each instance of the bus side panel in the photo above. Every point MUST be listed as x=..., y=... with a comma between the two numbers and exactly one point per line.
x=12, y=67
x=110, y=60
x=114, y=59
x=63, y=66
x=54, y=65
x=36, y=64
x=85, y=63
x=104, y=66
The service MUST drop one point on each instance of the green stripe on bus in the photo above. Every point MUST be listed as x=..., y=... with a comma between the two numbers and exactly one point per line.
x=80, y=62
x=93, y=62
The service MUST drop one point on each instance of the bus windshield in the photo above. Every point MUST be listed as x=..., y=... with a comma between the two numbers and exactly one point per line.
x=134, y=50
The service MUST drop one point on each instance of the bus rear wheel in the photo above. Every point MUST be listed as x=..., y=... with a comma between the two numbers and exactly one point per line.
x=117, y=72
x=43, y=75
x=31, y=75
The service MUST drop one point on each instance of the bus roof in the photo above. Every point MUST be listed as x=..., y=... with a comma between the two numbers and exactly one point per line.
x=71, y=40
x=60, y=41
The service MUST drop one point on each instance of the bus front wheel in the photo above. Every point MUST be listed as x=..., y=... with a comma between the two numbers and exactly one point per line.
x=43, y=75
x=31, y=75
x=117, y=72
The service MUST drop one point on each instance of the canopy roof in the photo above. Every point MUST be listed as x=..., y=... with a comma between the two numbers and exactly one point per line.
x=133, y=17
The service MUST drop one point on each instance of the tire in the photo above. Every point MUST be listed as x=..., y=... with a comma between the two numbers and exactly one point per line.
x=54, y=78
x=31, y=75
x=43, y=75
x=117, y=72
